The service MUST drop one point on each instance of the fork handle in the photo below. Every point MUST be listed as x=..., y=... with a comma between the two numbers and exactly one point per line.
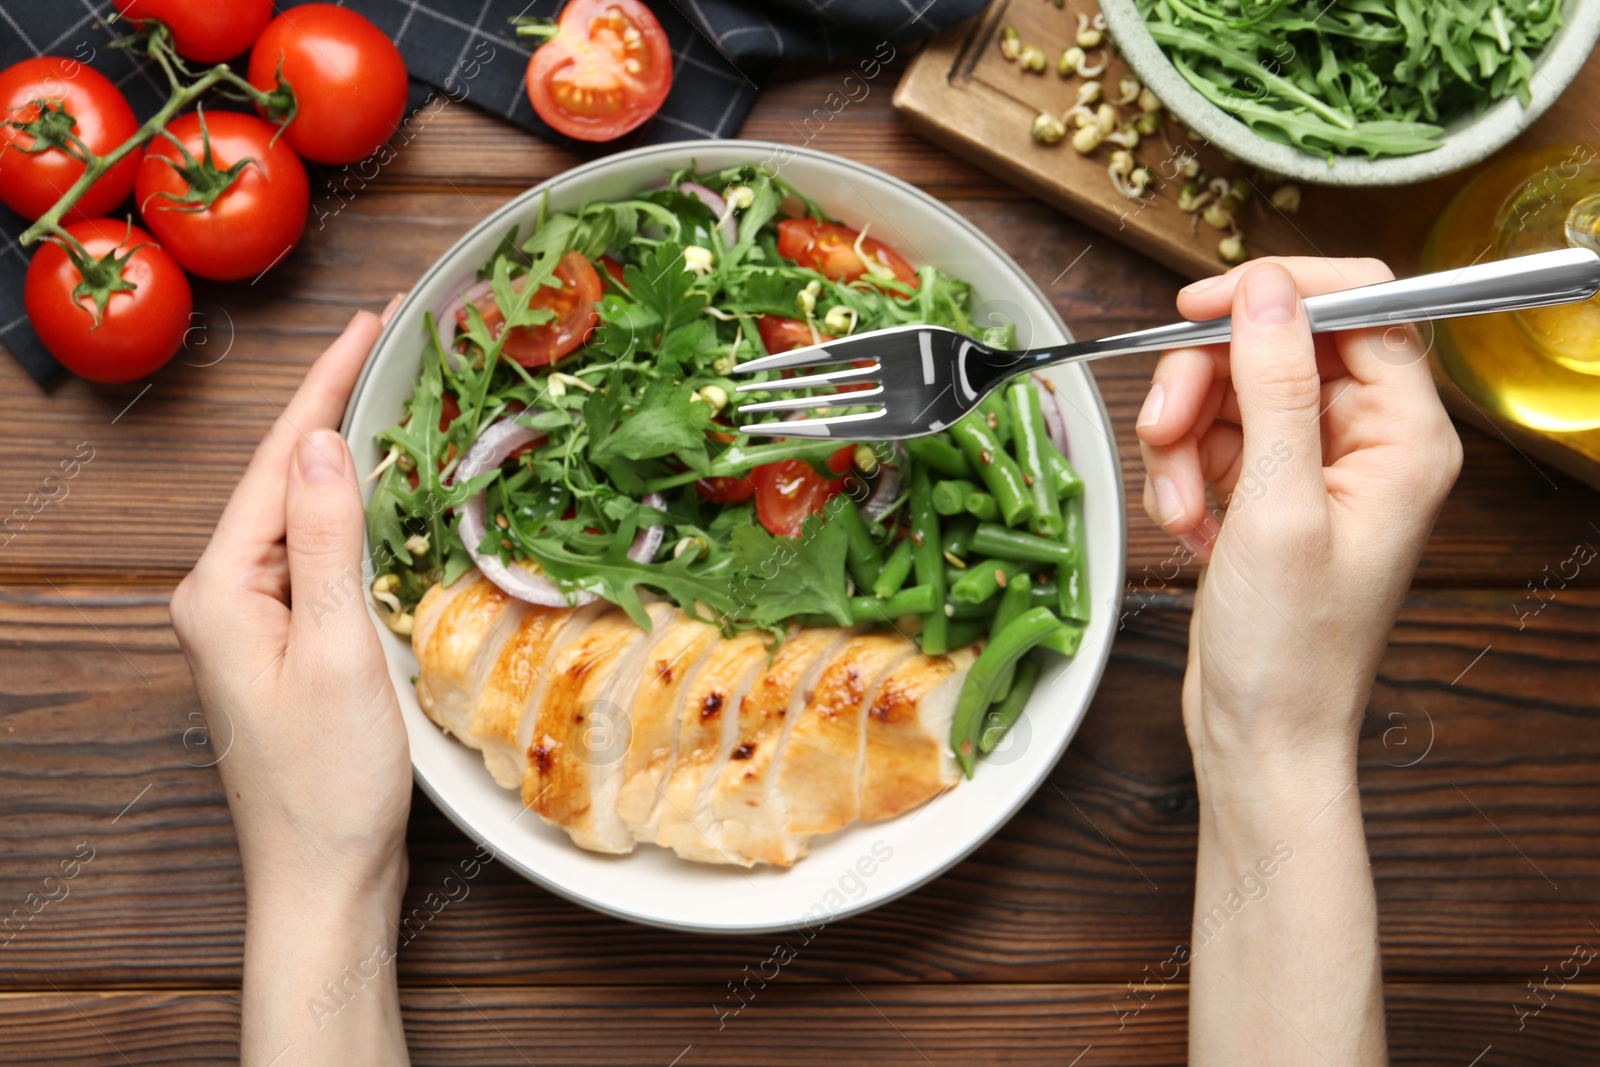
x=1560, y=277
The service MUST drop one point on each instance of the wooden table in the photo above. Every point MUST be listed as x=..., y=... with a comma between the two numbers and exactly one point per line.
x=1480, y=758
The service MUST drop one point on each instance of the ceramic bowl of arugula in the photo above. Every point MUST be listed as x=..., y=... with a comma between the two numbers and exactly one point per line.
x=1341, y=92
x=863, y=865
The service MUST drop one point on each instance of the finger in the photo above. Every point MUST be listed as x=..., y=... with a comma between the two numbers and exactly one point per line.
x=324, y=534
x=1175, y=489
x=1274, y=369
x=1178, y=390
x=254, y=515
x=1221, y=458
x=1212, y=297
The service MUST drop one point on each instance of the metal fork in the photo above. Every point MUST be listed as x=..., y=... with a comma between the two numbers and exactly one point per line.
x=920, y=379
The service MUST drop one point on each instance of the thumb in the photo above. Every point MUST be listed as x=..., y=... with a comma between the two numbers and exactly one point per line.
x=1274, y=367
x=323, y=530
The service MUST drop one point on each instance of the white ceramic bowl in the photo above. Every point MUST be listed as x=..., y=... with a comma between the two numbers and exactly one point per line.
x=864, y=865
x=1464, y=142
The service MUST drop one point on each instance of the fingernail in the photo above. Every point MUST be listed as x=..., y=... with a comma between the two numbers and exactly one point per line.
x=1150, y=414
x=388, y=312
x=321, y=457
x=1169, y=505
x=1269, y=296
x=1202, y=285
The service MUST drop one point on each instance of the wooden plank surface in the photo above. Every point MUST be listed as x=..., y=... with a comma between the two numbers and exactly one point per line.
x=1480, y=779
x=790, y=1025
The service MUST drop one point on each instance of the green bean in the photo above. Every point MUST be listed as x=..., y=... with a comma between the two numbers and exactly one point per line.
x=966, y=631
x=1066, y=480
x=1005, y=647
x=940, y=453
x=999, y=471
x=982, y=506
x=917, y=600
x=995, y=414
x=958, y=535
x=862, y=554
x=984, y=578
x=1001, y=543
x=950, y=496
x=1073, y=595
x=1040, y=593
x=896, y=569
x=1004, y=715
x=1065, y=639
x=1029, y=439
x=1014, y=601
x=928, y=562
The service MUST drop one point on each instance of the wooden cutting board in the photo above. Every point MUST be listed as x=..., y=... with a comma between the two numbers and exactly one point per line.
x=961, y=92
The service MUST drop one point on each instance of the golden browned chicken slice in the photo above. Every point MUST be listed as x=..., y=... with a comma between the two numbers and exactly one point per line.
x=509, y=701
x=707, y=728
x=457, y=638
x=581, y=732
x=819, y=771
x=744, y=809
x=672, y=663
x=908, y=759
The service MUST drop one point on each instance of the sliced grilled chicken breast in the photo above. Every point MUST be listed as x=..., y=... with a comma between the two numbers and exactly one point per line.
x=907, y=759
x=580, y=734
x=510, y=698
x=457, y=645
x=745, y=809
x=432, y=607
x=707, y=727
x=672, y=663
x=819, y=771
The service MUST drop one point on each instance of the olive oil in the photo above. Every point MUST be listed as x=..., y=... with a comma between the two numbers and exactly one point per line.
x=1540, y=367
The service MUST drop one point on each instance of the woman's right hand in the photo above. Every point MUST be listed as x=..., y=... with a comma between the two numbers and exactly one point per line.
x=1334, y=455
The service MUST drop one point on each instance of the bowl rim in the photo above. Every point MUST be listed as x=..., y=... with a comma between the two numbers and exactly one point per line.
x=1468, y=141
x=515, y=208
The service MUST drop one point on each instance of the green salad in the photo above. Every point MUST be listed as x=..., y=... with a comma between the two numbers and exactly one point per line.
x=573, y=435
x=1376, y=77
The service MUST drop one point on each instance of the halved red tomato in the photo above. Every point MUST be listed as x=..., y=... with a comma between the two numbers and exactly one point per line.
x=830, y=250
x=605, y=70
x=789, y=490
x=780, y=334
x=614, y=269
x=573, y=304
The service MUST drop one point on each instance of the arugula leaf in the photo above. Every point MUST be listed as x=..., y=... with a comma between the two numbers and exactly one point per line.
x=786, y=576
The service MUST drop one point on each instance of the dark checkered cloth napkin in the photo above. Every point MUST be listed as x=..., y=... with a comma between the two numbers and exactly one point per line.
x=721, y=49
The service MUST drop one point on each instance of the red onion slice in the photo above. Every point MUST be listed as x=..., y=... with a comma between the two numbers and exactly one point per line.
x=647, y=542
x=884, y=493
x=719, y=208
x=493, y=446
x=449, y=325
x=1055, y=416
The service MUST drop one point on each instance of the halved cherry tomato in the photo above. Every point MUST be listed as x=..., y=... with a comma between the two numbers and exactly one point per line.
x=732, y=490
x=573, y=304
x=31, y=183
x=830, y=250
x=779, y=334
x=789, y=490
x=614, y=269
x=205, y=32
x=604, y=72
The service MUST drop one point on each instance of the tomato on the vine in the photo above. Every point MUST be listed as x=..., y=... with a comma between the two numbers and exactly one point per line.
x=573, y=305
x=138, y=330
x=30, y=184
x=790, y=490
x=348, y=78
x=216, y=224
x=606, y=69
x=204, y=32
x=830, y=249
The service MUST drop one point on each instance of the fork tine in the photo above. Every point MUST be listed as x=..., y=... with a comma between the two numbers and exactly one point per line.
x=800, y=403
x=831, y=377
x=809, y=356
x=813, y=427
